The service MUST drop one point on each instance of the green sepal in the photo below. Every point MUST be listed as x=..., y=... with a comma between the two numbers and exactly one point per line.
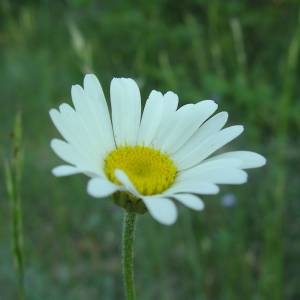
x=130, y=203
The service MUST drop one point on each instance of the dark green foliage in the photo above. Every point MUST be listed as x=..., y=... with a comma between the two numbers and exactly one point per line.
x=243, y=54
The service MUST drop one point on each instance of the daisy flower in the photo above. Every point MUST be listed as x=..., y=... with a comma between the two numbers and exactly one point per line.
x=156, y=156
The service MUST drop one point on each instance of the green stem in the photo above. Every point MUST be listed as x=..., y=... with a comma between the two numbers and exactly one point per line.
x=13, y=176
x=127, y=254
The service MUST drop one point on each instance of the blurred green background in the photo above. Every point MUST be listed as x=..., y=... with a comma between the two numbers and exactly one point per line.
x=244, y=55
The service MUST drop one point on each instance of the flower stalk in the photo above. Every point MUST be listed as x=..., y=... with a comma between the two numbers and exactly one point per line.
x=128, y=254
x=13, y=175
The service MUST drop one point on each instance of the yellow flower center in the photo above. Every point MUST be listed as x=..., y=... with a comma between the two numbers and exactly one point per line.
x=150, y=170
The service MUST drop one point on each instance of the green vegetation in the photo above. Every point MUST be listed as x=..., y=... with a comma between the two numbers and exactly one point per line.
x=243, y=54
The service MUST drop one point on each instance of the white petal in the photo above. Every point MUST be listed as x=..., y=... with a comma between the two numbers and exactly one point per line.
x=170, y=100
x=128, y=185
x=126, y=110
x=84, y=112
x=190, y=201
x=248, y=159
x=161, y=209
x=93, y=116
x=208, y=146
x=192, y=186
x=206, y=109
x=99, y=187
x=79, y=135
x=151, y=119
x=222, y=176
x=177, y=125
x=208, y=166
x=87, y=129
x=66, y=152
x=99, y=110
x=186, y=121
x=59, y=124
x=210, y=127
x=65, y=170
x=93, y=89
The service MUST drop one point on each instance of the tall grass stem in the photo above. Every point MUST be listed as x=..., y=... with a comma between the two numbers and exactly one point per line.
x=13, y=175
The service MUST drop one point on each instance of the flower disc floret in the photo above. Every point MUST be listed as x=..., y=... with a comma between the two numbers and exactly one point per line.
x=150, y=170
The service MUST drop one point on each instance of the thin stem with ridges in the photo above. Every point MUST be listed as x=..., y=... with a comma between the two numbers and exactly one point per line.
x=128, y=254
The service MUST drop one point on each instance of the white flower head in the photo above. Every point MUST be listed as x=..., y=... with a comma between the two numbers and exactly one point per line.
x=157, y=156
